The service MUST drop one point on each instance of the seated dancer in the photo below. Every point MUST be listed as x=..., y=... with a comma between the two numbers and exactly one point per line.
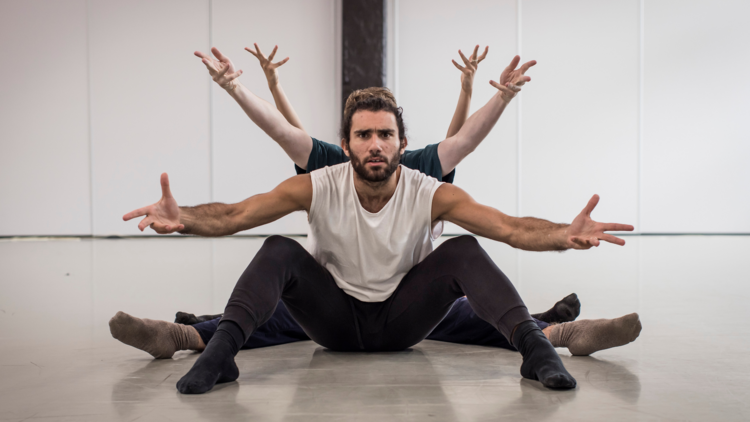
x=161, y=339
x=371, y=281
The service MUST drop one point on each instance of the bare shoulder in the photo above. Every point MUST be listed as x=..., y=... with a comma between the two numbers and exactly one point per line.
x=447, y=196
x=298, y=189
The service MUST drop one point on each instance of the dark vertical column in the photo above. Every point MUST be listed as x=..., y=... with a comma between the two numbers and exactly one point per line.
x=363, y=45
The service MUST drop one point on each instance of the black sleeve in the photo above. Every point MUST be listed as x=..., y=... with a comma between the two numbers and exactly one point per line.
x=427, y=161
x=322, y=155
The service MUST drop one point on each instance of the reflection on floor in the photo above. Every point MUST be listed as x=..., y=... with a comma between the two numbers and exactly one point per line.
x=57, y=361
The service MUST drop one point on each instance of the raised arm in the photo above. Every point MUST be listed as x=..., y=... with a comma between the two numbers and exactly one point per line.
x=294, y=141
x=467, y=87
x=454, y=149
x=452, y=204
x=272, y=76
x=217, y=219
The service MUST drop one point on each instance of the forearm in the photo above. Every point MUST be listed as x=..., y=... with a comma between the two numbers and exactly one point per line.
x=461, y=113
x=284, y=106
x=210, y=220
x=479, y=125
x=535, y=234
x=295, y=142
x=263, y=114
x=457, y=147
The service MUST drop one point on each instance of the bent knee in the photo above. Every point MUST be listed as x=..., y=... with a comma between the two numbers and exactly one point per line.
x=281, y=246
x=462, y=244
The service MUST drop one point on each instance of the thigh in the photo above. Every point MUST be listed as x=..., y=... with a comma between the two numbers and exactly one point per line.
x=283, y=270
x=312, y=301
x=458, y=267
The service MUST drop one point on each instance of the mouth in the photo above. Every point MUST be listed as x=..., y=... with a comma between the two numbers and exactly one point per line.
x=375, y=161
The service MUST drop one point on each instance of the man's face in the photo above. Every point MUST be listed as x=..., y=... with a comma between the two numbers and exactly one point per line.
x=374, y=146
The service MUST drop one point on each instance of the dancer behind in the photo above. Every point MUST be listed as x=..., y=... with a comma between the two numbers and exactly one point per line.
x=371, y=282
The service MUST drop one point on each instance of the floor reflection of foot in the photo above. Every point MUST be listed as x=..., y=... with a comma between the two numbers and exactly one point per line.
x=608, y=376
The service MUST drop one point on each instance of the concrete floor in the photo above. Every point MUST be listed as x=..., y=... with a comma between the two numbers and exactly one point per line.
x=57, y=361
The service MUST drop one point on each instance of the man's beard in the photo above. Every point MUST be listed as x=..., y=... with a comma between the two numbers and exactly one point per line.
x=376, y=175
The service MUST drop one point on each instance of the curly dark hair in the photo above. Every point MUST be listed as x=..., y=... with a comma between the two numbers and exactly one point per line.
x=371, y=99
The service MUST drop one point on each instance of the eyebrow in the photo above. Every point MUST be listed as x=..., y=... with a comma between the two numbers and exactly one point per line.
x=366, y=131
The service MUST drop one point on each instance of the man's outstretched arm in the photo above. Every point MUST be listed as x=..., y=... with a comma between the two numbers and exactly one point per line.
x=294, y=141
x=452, y=204
x=217, y=219
x=457, y=147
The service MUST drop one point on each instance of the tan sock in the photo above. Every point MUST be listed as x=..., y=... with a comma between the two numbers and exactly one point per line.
x=161, y=339
x=587, y=336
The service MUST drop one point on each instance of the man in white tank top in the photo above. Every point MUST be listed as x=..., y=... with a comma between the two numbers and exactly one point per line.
x=369, y=281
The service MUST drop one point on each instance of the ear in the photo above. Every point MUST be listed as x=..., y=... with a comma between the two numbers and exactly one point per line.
x=404, y=144
x=345, y=147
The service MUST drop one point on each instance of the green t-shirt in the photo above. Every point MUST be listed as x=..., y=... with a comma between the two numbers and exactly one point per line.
x=425, y=160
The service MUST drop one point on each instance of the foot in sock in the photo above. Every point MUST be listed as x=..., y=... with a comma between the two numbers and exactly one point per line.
x=565, y=310
x=161, y=339
x=540, y=360
x=216, y=364
x=587, y=336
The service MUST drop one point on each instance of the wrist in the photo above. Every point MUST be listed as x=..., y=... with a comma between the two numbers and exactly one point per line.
x=231, y=86
x=563, y=242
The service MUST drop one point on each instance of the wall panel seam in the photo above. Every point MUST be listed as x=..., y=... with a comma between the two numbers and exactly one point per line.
x=88, y=116
x=641, y=65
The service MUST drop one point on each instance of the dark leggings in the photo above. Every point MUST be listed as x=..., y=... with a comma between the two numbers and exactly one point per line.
x=282, y=269
x=461, y=325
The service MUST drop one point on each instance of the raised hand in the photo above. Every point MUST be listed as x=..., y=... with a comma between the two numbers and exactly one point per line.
x=584, y=232
x=269, y=68
x=221, y=69
x=467, y=73
x=163, y=216
x=512, y=79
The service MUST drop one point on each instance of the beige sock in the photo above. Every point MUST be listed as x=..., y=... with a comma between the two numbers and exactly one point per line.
x=161, y=339
x=587, y=336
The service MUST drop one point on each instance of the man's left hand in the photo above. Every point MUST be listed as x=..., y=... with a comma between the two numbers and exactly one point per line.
x=584, y=232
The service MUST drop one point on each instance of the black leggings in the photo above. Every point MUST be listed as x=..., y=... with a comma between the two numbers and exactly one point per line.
x=283, y=269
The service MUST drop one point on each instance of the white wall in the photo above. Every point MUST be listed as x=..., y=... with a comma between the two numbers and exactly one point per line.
x=245, y=160
x=102, y=96
x=643, y=102
x=696, y=106
x=149, y=106
x=44, y=143
x=428, y=85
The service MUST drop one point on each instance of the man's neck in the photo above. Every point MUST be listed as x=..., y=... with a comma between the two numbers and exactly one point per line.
x=374, y=195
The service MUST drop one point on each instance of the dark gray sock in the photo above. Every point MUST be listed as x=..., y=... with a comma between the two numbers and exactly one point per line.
x=565, y=310
x=540, y=360
x=185, y=318
x=216, y=363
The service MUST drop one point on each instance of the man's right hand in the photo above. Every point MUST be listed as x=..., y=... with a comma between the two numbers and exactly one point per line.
x=221, y=70
x=164, y=216
x=267, y=64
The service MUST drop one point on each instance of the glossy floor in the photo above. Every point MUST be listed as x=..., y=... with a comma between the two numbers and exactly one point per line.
x=57, y=361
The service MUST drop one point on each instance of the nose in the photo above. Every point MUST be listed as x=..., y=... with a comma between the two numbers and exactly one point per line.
x=376, y=145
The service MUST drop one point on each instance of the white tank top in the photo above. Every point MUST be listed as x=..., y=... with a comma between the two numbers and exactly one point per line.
x=369, y=253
